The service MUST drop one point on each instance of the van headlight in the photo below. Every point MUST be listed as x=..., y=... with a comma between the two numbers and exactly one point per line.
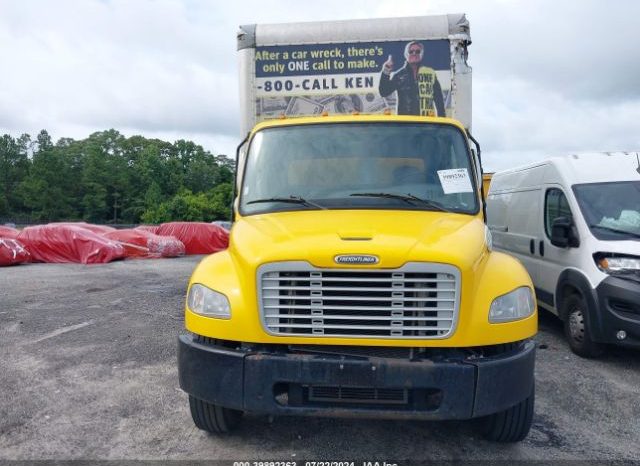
x=612, y=264
x=209, y=303
x=515, y=305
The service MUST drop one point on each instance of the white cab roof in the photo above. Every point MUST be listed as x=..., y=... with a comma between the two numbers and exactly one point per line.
x=590, y=167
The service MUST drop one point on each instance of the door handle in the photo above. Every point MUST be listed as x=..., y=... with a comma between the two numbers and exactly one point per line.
x=532, y=246
x=541, y=248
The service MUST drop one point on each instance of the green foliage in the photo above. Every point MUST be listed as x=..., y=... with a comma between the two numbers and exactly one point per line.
x=14, y=167
x=201, y=207
x=108, y=178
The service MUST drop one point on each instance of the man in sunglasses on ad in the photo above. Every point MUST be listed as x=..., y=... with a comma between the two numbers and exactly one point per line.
x=419, y=92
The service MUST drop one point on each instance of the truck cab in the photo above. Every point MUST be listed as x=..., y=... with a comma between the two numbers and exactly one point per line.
x=360, y=280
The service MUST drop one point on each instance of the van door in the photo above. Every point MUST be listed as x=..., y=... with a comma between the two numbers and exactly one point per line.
x=553, y=260
x=513, y=217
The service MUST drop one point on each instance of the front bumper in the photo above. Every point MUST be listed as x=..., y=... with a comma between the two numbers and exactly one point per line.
x=290, y=383
x=619, y=305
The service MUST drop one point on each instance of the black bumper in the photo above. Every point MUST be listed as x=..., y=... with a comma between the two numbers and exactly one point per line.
x=322, y=384
x=619, y=305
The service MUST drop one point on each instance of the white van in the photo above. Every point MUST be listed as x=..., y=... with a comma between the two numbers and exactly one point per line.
x=574, y=222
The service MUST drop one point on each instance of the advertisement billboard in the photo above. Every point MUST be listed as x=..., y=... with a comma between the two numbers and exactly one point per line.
x=398, y=77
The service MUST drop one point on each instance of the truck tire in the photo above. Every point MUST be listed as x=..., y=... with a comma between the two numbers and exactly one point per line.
x=510, y=425
x=213, y=418
x=577, y=329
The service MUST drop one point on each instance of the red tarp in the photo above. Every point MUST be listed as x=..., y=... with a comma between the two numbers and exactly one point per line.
x=198, y=237
x=151, y=228
x=97, y=229
x=12, y=252
x=8, y=232
x=142, y=243
x=61, y=243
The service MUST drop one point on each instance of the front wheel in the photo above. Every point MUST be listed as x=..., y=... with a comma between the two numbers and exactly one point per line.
x=577, y=329
x=213, y=418
x=512, y=424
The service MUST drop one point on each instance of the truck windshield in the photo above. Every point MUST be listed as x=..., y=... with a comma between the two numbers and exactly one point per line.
x=612, y=210
x=417, y=166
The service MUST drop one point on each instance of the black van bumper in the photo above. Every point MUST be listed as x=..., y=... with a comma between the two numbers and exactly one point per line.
x=619, y=305
x=298, y=383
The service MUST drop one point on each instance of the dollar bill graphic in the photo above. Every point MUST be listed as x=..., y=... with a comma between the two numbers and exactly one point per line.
x=274, y=107
x=303, y=106
x=271, y=107
x=364, y=103
x=343, y=104
x=373, y=103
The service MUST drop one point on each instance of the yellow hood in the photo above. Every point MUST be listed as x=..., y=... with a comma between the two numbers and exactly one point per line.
x=395, y=237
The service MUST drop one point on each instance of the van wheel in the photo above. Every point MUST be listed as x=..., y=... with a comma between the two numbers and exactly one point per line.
x=577, y=330
x=510, y=425
x=213, y=418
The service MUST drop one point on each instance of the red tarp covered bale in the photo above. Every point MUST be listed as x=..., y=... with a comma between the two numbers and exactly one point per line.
x=133, y=251
x=142, y=243
x=97, y=229
x=8, y=232
x=150, y=228
x=12, y=252
x=60, y=243
x=198, y=237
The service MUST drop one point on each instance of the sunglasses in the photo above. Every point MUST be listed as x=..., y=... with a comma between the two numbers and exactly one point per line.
x=415, y=52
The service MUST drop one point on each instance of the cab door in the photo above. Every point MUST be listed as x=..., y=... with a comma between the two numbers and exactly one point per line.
x=553, y=260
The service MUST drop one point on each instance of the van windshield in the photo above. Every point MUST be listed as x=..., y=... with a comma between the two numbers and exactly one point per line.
x=612, y=210
x=417, y=166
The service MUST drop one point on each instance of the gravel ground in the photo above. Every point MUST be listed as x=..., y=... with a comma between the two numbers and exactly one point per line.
x=88, y=371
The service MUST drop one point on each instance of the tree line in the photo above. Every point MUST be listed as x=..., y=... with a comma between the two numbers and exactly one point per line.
x=109, y=178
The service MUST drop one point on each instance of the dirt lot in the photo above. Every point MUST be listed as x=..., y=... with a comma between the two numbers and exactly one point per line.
x=88, y=371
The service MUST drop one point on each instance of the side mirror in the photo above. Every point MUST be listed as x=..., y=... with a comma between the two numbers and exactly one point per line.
x=563, y=233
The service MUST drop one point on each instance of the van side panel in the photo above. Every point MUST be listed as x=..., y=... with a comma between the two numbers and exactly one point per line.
x=514, y=213
x=512, y=223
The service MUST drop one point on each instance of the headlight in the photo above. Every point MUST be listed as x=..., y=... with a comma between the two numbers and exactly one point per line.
x=512, y=306
x=207, y=302
x=609, y=264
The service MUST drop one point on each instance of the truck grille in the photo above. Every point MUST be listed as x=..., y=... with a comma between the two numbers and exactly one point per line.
x=358, y=395
x=418, y=300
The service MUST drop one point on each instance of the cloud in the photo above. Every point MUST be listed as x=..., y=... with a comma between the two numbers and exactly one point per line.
x=120, y=64
x=586, y=49
x=157, y=66
x=549, y=77
x=522, y=118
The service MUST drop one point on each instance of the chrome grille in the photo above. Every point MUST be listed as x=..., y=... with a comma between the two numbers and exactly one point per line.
x=419, y=300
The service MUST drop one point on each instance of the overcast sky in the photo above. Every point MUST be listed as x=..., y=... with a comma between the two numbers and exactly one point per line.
x=549, y=77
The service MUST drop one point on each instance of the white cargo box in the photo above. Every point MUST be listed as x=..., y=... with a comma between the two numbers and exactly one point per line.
x=303, y=69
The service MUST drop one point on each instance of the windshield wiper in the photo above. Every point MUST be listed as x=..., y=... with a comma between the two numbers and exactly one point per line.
x=615, y=230
x=291, y=199
x=408, y=198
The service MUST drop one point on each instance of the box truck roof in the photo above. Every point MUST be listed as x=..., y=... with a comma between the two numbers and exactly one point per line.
x=408, y=28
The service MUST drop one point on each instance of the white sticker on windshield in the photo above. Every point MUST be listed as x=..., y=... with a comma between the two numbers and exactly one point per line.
x=455, y=180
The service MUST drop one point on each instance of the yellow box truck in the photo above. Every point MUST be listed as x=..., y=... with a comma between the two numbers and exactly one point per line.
x=360, y=278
